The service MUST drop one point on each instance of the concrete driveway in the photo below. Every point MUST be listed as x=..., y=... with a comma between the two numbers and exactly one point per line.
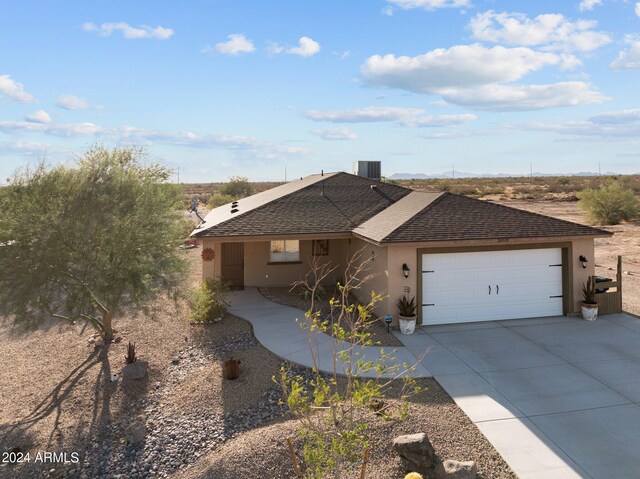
x=557, y=397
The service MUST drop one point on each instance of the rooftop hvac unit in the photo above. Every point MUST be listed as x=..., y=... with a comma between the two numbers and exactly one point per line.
x=368, y=169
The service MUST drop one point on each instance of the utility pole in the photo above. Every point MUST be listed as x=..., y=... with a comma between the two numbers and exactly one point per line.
x=599, y=170
x=530, y=170
x=178, y=175
x=453, y=171
x=285, y=173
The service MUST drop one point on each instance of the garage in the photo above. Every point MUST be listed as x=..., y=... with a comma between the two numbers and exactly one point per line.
x=491, y=285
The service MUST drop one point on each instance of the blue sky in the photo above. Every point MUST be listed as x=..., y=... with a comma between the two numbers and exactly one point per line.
x=228, y=87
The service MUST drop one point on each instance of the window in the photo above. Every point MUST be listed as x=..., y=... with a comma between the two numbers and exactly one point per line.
x=285, y=251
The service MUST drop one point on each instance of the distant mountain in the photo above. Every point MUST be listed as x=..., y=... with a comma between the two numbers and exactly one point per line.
x=464, y=174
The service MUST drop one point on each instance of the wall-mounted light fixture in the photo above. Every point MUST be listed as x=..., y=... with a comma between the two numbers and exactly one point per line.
x=583, y=261
x=405, y=270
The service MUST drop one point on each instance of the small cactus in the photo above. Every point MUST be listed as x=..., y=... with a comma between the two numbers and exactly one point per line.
x=131, y=353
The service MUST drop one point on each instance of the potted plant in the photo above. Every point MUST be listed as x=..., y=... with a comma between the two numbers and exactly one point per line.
x=589, y=306
x=407, y=315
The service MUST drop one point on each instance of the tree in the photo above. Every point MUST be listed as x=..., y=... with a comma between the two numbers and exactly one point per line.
x=610, y=204
x=237, y=187
x=83, y=242
x=335, y=409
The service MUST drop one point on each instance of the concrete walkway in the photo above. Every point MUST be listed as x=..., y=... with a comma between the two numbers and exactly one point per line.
x=275, y=326
x=559, y=398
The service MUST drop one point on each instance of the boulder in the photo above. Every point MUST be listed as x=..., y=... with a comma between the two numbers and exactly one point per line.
x=456, y=470
x=416, y=453
x=135, y=432
x=136, y=370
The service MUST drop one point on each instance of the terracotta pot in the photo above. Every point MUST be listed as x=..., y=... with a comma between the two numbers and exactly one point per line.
x=589, y=311
x=407, y=324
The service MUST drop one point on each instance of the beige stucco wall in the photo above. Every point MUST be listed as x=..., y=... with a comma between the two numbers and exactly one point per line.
x=211, y=269
x=378, y=268
x=580, y=275
x=386, y=268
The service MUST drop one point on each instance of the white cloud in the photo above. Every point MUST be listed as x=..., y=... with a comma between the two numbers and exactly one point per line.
x=274, y=49
x=237, y=44
x=429, y=4
x=39, y=116
x=461, y=66
x=72, y=102
x=129, y=32
x=58, y=129
x=623, y=124
x=474, y=76
x=637, y=9
x=306, y=47
x=524, y=97
x=589, y=4
x=617, y=117
x=342, y=133
x=31, y=148
x=550, y=31
x=364, y=115
x=630, y=58
x=13, y=90
x=129, y=134
x=438, y=121
x=412, y=117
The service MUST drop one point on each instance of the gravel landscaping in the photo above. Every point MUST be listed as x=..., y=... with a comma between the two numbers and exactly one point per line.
x=57, y=395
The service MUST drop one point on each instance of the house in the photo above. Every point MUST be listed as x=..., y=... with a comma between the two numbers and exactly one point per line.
x=463, y=259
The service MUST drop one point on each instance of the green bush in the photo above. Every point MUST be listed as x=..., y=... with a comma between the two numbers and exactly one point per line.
x=238, y=187
x=219, y=199
x=208, y=301
x=610, y=204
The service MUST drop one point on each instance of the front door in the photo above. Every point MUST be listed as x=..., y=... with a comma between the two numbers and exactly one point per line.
x=233, y=264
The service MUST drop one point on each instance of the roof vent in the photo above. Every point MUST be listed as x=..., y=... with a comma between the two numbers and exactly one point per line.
x=234, y=210
x=368, y=169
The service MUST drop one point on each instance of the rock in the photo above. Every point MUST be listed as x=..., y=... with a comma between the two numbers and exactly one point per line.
x=175, y=360
x=136, y=432
x=456, y=470
x=98, y=343
x=416, y=453
x=136, y=370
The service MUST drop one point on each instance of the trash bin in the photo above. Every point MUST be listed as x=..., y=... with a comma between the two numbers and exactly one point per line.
x=602, y=279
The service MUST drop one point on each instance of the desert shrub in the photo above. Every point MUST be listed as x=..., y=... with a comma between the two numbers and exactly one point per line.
x=208, y=301
x=464, y=190
x=610, y=204
x=219, y=199
x=238, y=187
x=491, y=190
x=563, y=180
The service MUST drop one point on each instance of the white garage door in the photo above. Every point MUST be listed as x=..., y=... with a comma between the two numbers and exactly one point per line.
x=491, y=285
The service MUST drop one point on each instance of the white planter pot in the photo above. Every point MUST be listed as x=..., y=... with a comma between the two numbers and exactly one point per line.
x=407, y=324
x=589, y=311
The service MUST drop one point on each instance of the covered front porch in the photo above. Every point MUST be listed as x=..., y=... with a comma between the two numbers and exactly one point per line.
x=271, y=261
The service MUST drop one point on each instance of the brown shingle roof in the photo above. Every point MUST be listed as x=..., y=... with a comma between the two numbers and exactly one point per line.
x=334, y=203
x=452, y=217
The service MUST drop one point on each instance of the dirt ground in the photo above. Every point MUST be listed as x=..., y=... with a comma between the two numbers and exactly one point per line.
x=625, y=242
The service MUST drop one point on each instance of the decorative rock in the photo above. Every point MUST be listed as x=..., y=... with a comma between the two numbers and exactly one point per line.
x=136, y=432
x=456, y=470
x=136, y=370
x=416, y=453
